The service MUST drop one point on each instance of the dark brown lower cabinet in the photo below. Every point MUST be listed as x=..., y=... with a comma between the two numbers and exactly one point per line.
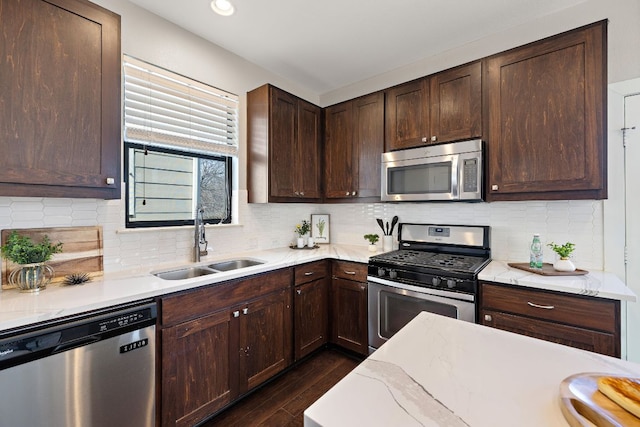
x=311, y=317
x=577, y=321
x=220, y=341
x=349, y=306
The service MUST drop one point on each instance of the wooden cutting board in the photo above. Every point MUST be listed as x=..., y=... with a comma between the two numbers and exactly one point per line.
x=81, y=251
x=583, y=405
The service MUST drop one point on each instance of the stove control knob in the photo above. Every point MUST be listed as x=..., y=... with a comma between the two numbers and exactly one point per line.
x=393, y=274
x=381, y=272
x=436, y=281
x=451, y=283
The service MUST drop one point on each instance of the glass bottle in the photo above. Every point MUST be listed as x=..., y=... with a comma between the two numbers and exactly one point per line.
x=535, y=255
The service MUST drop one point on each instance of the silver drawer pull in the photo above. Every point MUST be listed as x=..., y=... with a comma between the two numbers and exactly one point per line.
x=352, y=273
x=546, y=307
x=309, y=273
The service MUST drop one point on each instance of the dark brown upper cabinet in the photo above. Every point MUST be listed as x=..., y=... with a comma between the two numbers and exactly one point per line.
x=60, y=99
x=443, y=107
x=547, y=118
x=354, y=140
x=284, y=136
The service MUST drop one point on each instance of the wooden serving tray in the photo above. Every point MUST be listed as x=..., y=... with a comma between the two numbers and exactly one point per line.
x=81, y=251
x=546, y=270
x=583, y=405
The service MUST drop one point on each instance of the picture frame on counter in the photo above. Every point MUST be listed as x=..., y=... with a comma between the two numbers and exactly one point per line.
x=320, y=228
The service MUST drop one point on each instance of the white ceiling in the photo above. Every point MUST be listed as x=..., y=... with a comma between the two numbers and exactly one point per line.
x=324, y=45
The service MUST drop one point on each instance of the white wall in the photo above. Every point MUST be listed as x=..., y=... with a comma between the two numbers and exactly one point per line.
x=271, y=225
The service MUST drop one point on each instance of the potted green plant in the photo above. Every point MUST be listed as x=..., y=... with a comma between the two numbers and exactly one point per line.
x=301, y=230
x=33, y=273
x=563, y=263
x=373, y=239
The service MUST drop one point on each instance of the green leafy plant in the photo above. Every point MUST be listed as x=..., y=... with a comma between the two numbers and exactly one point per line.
x=303, y=228
x=372, y=238
x=22, y=250
x=564, y=251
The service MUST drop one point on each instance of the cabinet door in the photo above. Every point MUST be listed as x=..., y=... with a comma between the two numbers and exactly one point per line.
x=407, y=115
x=349, y=315
x=60, y=94
x=311, y=317
x=283, y=161
x=547, y=116
x=456, y=103
x=368, y=138
x=308, y=163
x=586, y=339
x=265, y=338
x=340, y=153
x=198, y=368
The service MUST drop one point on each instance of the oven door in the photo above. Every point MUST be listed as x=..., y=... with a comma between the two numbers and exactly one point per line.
x=392, y=305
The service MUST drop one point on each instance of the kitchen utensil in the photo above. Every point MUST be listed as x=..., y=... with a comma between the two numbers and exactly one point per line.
x=387, y=232
x=394, y=221
x=381, y=224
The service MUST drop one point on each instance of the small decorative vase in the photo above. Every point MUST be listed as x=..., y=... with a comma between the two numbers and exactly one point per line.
x=373, y=248
x=387, y=243
x=564, y=264
x=311, y=242
x=300, y=242
x=31, y=277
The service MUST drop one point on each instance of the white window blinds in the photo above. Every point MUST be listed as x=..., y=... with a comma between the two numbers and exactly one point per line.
x=165, y=109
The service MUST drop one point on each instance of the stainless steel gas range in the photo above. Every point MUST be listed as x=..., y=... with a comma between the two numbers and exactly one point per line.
x=435, y=269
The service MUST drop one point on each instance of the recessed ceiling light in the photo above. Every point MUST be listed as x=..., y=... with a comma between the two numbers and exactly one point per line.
x=222, y=7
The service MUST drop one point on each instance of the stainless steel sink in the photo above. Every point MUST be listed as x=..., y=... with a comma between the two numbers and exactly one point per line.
x=234, y=264
x=184, y=273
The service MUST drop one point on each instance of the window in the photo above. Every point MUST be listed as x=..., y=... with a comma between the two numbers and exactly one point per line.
x=180, y=143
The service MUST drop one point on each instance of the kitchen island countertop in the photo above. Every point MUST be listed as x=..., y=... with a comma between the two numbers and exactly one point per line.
x=438, y=371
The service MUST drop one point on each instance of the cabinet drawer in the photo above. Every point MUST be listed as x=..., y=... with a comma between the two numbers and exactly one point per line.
x=584, y=312
x=311, y=271
x=350, y=270
x=198, y=302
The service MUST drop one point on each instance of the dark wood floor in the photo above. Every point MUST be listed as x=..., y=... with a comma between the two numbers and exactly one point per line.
x=282, y=402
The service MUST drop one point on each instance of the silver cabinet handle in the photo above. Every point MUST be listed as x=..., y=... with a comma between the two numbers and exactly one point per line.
x=299, y=292
x=434, y=138
x=302, y=193
x=353, y=193
x=236, y=313
x=110, y=181
x=309, y=273
x=351, y=273
x=546, y=307
x=488, y=318
x=348, y=193
x=362, y=287
x=424, y=139
x=245, y=310
x=494, y=187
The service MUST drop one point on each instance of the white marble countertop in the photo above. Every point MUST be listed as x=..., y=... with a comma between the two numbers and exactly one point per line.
x=438, y=371
x=20, y=309
x=596, y=283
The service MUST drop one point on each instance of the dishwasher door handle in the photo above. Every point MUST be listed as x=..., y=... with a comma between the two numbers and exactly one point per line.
x=76, y=343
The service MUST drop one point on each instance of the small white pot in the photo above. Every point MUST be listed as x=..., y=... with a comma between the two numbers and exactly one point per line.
x=373, y=248
x=564, y=264
x=300, y=242
x=311, y=242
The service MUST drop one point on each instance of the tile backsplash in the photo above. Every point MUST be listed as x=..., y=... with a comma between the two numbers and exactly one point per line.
x=271, y=225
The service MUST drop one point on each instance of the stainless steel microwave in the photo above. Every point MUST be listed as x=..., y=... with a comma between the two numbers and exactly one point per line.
x=444, y=172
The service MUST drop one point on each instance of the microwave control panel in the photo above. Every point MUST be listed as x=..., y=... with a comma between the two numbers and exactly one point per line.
x=470, y=173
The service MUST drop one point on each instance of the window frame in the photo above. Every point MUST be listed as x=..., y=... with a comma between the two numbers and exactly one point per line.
x=228, y=160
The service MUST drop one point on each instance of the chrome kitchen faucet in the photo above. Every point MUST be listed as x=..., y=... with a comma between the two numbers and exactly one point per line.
x=199, y=238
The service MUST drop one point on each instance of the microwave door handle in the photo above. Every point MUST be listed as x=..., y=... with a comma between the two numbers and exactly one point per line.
x=456, y=177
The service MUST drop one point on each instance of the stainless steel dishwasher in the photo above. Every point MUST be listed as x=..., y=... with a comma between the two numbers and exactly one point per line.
x=93, y=370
